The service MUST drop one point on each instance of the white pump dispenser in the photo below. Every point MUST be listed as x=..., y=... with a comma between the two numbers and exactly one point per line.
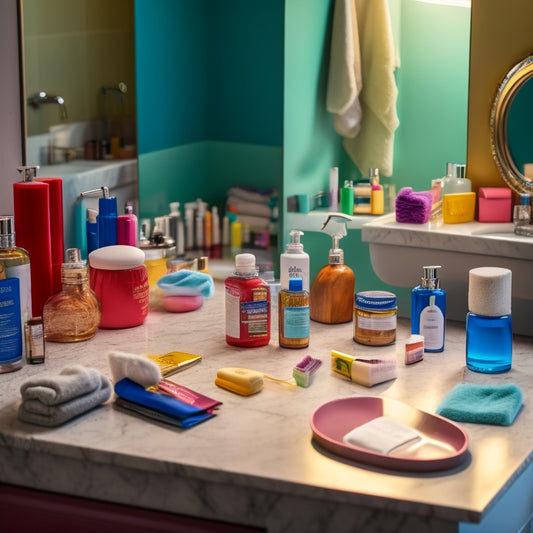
x=294, y=262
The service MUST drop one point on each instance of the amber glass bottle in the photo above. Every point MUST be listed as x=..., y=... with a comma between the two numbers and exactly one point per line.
x=73, y=314
x=293, y=315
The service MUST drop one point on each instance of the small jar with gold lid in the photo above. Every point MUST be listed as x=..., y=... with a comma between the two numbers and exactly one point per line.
x=375, y=314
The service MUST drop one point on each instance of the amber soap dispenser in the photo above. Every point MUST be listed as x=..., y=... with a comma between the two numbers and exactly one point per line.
x=73, y=314
x=332, y=292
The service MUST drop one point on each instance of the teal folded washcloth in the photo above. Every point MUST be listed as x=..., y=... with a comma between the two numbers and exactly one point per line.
x=187, y=283
x=482, y=404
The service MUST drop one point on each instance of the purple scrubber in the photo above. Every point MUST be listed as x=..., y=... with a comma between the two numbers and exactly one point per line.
x=413, y=207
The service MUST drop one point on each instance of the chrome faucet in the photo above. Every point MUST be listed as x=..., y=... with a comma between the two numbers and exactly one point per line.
x=37, y=99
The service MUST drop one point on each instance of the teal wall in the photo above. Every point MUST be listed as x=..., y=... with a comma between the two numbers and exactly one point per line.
x=233, y=91
x=210, y=98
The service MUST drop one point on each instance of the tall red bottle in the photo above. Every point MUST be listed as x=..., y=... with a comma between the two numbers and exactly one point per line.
x=247, y=303
x=31, y=201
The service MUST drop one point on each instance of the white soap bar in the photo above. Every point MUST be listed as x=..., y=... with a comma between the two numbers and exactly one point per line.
x=381, y=435
x=116, y=257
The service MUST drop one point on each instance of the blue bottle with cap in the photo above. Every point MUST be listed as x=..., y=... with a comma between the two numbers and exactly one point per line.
x=428, y=310
x=107, y=219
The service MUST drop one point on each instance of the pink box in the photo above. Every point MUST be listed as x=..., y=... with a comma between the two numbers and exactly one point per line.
x=494, y=204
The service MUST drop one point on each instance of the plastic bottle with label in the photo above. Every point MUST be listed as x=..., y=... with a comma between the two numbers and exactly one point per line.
x=294, y=262
x=293, y=315
x=247, y=305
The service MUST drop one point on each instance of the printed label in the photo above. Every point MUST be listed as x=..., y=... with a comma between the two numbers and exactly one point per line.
x=254, y=317
x=377, y=323
x=296, y=322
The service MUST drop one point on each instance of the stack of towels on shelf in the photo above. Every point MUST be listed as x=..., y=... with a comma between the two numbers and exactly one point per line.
x=252, y=206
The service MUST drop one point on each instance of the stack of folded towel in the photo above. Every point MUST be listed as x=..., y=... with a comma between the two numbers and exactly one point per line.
x=52, y=400
x=253, y=207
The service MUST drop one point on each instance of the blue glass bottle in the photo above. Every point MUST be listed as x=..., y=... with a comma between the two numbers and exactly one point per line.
x=489, y=327
x=429, y=295
x=489, y=343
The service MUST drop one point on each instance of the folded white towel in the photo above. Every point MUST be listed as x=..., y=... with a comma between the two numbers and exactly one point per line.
x=249, y=194
x=345, y=78
x=52, y=400
x=381, y=435
x=374, y=144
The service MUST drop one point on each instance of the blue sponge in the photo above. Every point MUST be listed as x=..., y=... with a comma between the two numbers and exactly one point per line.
x=482, y=404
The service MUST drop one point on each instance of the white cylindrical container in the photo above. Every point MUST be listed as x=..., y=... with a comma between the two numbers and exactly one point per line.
x=294, y=262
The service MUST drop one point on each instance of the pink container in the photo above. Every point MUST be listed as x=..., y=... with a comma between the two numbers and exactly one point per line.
x=120, y=280
x=494, y=204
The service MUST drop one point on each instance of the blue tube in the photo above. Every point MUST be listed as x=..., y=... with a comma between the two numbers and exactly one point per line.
x=107, y=221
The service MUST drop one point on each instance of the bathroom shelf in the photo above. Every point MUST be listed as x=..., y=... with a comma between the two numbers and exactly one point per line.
x=314, y=220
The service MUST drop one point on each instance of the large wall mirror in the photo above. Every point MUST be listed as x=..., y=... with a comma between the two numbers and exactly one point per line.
x=79, y=78
x=511, y=135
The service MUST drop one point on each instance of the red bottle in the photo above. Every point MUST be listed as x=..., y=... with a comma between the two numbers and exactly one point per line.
x=247, y=305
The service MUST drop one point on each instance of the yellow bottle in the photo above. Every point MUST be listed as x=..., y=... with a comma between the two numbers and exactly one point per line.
x=377, y=196
x=332, y=292
x=293, y=315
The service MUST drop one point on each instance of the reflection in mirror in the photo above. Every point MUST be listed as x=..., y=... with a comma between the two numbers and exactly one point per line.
x=79, y=79
x=510, y=120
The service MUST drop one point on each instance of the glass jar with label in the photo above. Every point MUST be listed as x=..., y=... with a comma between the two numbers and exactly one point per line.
x=375, y=314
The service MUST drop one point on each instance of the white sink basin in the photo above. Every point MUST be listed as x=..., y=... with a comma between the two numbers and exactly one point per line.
x=398, y=252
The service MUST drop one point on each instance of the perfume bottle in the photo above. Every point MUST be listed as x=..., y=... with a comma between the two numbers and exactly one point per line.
x=293, y=315
x=73, y=314
x=489, y=328
x=17, y=265
x=428, y=310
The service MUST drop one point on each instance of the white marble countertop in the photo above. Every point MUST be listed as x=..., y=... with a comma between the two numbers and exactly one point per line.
x=255, y=463
x=484, y=238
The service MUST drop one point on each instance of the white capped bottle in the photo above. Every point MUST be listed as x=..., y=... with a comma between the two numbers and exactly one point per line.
x=294, y=262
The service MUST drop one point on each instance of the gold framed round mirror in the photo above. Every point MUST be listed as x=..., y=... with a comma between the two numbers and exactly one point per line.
x=508, y=132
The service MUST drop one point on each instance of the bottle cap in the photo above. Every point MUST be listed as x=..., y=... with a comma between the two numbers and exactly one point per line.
x=245, y=263
x=489, y=291
x=7, y=225
x=525, y=198
x=295, y=284
x=375, y=300
x=430, y=279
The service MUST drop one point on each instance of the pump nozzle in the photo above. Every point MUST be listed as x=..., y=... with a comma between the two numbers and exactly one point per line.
x=29, y=173
x=336, y=224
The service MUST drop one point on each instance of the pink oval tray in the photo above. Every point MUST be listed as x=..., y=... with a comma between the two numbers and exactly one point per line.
x=443, y=444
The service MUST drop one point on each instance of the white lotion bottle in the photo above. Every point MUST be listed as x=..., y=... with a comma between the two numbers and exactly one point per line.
x=432, y=326
x=294, y=262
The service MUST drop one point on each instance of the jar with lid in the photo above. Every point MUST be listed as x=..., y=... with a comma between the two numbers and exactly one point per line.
x=375, y=315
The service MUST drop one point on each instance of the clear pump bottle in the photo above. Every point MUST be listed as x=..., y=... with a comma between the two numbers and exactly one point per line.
x=294, y=263
x=428, y=310
x=73, y=314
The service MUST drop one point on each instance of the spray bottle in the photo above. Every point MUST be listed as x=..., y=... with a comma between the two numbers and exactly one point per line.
x=294, y=263
x=332, y=292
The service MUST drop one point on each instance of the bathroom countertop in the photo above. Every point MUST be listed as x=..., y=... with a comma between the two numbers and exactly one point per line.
x=255, y=463
x=485, y=238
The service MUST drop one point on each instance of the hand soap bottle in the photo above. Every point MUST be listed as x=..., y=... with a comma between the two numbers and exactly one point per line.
x=428, y=310
x=332, y=292
x=294, y=263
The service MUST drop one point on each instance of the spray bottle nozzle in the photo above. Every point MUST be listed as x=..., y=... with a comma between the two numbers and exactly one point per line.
x=103, y=192
x=336, y=227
